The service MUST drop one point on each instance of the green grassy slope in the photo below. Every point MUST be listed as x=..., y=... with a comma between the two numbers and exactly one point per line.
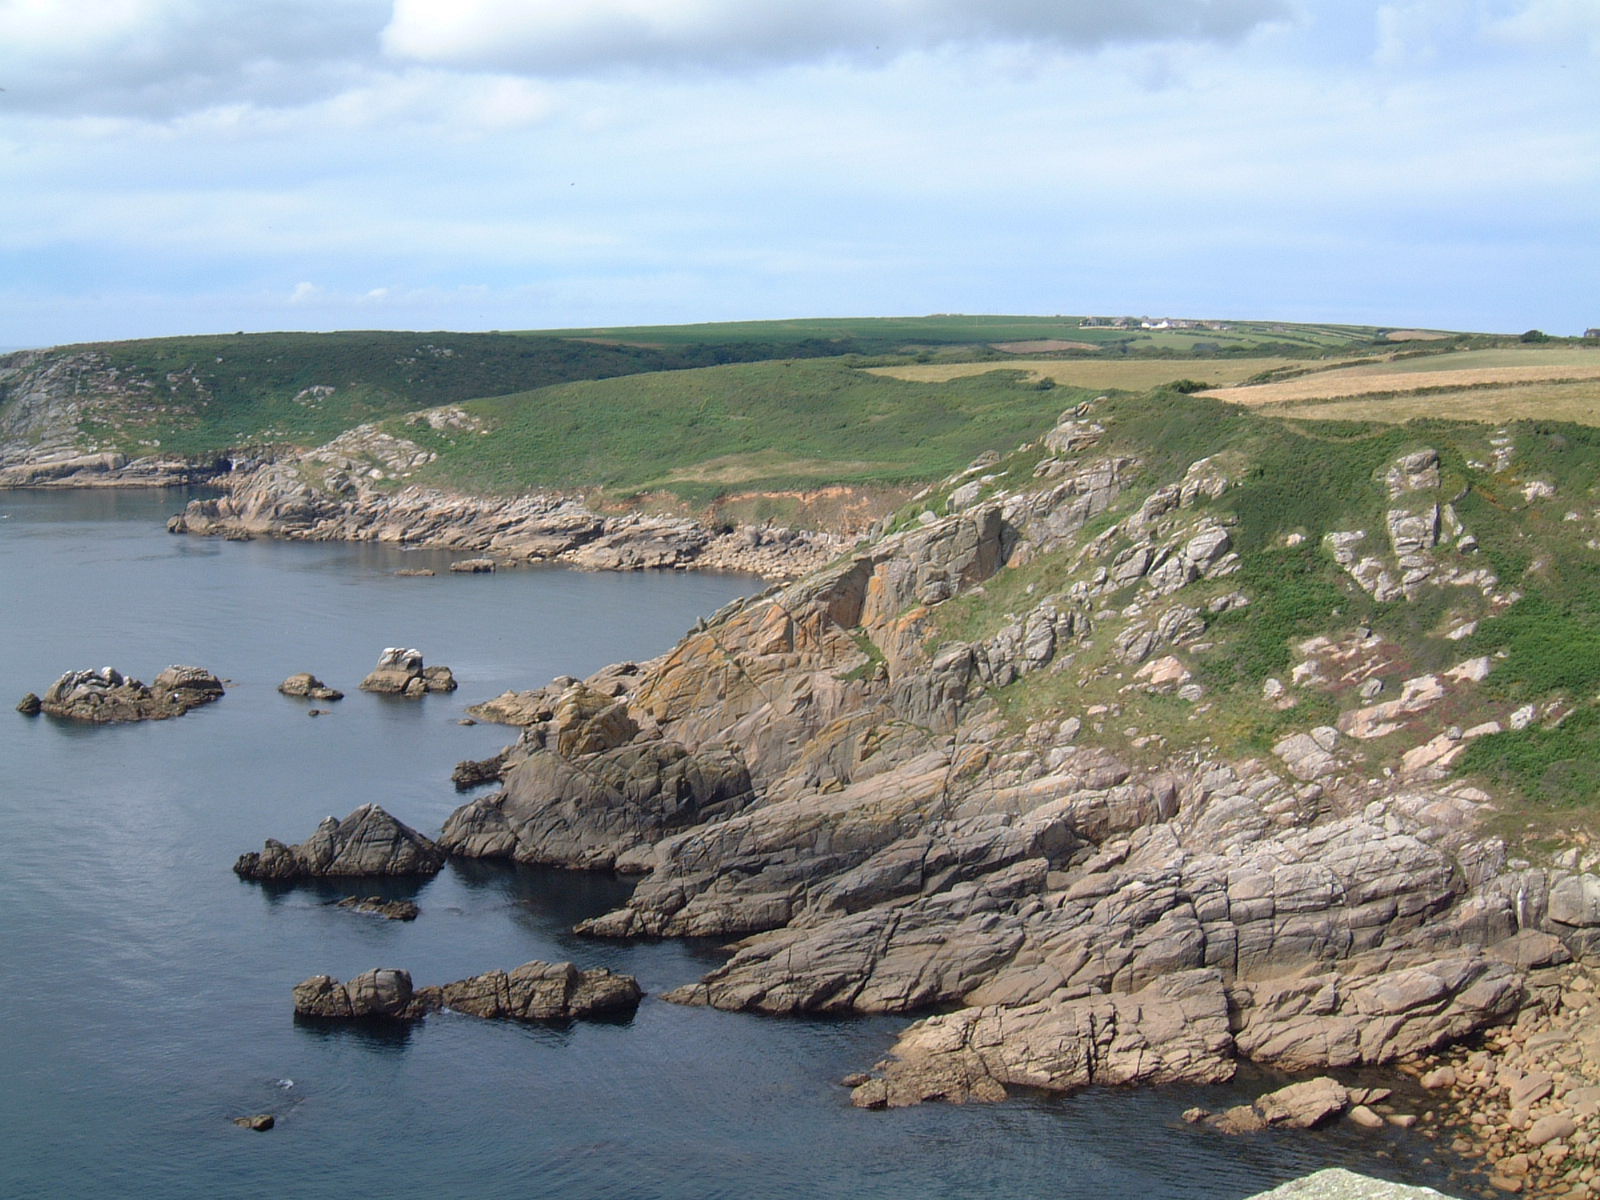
x=700, y=433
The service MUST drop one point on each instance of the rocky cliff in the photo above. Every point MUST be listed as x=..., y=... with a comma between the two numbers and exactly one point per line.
x=1127, y=754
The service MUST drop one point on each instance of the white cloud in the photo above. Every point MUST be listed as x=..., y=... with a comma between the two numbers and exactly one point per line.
x=1555, y=24
x=562, y=37
x=160, y=57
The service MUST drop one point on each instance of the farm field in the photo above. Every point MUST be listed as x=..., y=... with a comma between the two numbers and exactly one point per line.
x=1467, y=369
x=1138, y=374
x=1578, y=402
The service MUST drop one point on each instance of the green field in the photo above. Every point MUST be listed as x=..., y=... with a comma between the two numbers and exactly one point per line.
x=1124, y=374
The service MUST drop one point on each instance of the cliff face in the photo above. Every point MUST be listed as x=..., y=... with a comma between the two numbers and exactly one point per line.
x=989, y=759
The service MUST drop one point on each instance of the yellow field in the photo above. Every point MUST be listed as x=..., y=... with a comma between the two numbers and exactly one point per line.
x=1576, y=402
x=1333, y=385
x=1134, y=375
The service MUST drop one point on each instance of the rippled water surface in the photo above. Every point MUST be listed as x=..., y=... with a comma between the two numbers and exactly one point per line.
x=147, y=990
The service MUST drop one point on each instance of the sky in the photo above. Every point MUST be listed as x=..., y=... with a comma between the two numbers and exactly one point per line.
x=190, y=166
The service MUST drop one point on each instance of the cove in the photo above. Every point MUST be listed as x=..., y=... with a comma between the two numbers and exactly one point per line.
x=148, y=989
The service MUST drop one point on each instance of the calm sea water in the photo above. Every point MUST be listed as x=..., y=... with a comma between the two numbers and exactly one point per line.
x=146, y=990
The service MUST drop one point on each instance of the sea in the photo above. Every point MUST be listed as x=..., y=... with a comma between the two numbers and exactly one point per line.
x=146, y=990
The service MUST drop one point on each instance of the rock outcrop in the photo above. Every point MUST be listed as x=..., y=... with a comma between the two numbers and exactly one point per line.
x=51, y=402
x=535, y=991
x=400, y=672
x=367, y=842
x=108, y=696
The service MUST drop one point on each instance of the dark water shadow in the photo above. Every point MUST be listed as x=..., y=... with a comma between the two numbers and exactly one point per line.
x=385, y=1034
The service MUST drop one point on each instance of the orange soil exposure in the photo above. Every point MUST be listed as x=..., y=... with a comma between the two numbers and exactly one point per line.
x=1330, y=384
x=1416, y=335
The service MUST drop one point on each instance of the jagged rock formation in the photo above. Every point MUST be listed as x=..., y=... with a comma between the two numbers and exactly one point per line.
x=848, y=774
x=535, y=991
x=400, y=672
x=308, y=685
x=108, y=696
x=367, y=842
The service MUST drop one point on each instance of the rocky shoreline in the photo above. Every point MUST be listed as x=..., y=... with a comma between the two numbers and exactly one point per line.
x=279, y=500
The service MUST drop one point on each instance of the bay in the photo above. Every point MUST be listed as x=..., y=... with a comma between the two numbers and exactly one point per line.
x=147, y=990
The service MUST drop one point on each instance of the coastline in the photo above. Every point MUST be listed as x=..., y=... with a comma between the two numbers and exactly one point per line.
x=274, y=500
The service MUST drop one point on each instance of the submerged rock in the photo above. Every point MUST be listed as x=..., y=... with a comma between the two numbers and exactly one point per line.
x=108, y=696
x=400, y=672
x=535, y=991
x=367, y=842
x=392, y=910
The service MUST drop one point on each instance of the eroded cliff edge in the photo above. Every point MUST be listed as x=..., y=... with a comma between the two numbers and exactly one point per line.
x=1018, y=758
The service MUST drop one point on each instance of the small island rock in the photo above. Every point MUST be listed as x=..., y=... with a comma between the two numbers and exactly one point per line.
x=367, y=842
x=107, y=695
x=29, y=705
x=400, y=672
x=260, y=1122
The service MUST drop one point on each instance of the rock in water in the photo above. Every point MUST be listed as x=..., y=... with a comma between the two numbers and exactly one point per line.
x=469, y=773
x=380, y=992
x=308, y=685
x=29, y=705
x=540, y=991
x=107, y=695
x=392, y=910
x=535, y=991
x=260, y=1122
x=367, y=842
x=400, y=672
